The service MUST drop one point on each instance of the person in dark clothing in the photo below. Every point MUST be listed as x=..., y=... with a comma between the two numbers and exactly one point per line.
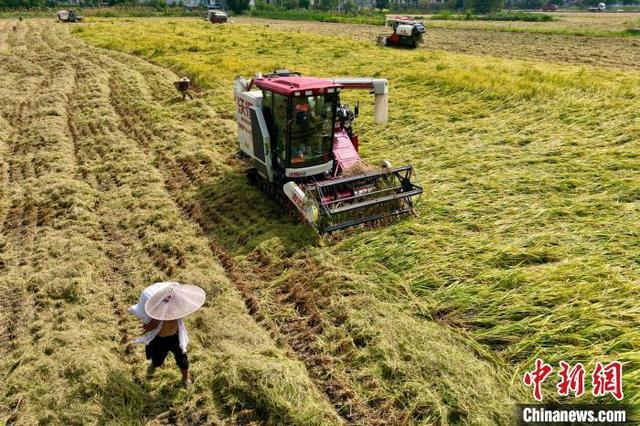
x=183, y=87
x=167, y=340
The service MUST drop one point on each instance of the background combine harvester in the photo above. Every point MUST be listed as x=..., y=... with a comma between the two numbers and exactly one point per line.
x=69, y=15
x=301, y=145
x=407, y=32
x=216, y=16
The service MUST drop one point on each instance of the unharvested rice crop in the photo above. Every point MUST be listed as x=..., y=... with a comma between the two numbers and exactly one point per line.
x=525, y=244
x=556, y=45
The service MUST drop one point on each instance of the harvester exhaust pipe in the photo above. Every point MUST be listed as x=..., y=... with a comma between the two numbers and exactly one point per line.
x=381, y=108
x=380, y=90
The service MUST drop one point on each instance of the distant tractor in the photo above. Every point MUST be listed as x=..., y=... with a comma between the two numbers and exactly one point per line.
x=217, y=16
x=407, y=32
x=69, y=15
x=302, y=150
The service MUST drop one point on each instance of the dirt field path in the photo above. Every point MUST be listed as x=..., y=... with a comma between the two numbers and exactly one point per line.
x=617, y=52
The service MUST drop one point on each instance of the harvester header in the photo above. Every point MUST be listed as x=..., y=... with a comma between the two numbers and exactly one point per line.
x=300, y=143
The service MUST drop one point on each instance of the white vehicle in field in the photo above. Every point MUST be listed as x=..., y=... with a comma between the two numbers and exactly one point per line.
x=69, y=15
x=217, y=16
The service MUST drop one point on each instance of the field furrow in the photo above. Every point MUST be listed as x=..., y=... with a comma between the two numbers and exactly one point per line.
x=22, y=216
x=50, y=248
x=94, y=123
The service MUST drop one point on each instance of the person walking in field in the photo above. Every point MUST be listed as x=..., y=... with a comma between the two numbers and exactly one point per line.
x=182, y=86
x=162, y=307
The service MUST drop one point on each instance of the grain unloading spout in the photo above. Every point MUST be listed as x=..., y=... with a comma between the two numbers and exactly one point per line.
x=380, y=88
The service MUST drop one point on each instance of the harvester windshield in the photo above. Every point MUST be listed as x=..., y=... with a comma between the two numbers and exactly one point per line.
x=302, y=127
x=311, y=129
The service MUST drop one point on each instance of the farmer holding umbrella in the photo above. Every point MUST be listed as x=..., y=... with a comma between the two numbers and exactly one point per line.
x=162, y=307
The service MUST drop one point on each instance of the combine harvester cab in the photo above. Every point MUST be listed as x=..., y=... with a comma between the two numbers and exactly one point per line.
x=301, y=146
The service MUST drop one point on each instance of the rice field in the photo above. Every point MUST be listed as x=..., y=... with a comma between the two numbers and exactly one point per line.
x=556, y=45
x=525, y=243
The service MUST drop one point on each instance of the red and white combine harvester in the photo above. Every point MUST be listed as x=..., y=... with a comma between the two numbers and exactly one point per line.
x=300, y=144
x=407, y=32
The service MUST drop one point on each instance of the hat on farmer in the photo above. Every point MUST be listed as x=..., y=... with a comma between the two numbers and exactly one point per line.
x=138, y=309
x=175, y=301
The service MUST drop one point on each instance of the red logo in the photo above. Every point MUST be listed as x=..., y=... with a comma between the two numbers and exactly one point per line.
x=244, y=107
x=536, y=377
x=571, y=379
x=608, y=379
x=297, y=200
